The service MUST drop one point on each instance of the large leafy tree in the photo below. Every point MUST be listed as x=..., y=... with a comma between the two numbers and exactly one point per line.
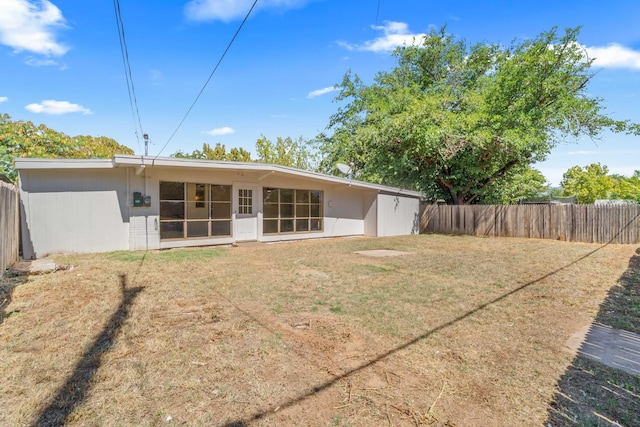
x=25, y=139
x=594, y=182
x=520, y=183
x=587, y=184
x=455, y=121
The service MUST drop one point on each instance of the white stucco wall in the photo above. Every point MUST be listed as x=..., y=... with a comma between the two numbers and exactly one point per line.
x=73, y=211
x=397, y=215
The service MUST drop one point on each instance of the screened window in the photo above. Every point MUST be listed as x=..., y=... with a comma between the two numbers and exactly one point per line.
x=291, y=211
x=193, y=210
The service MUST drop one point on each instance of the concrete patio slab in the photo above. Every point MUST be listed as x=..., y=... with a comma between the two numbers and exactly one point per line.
x=36, y=266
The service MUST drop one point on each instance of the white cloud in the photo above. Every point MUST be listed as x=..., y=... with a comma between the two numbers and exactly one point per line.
x=3, y=99
x=321, y=92
x=226, y=130
x=30, y=25
x=34, y=62
x=614, y=56
x=55, y=108
x=228, y=10
x=395, y=34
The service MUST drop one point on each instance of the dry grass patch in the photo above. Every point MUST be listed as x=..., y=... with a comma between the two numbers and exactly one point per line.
x=464, y=331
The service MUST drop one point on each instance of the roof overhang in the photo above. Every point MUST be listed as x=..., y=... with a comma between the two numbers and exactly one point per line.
x=141, y=163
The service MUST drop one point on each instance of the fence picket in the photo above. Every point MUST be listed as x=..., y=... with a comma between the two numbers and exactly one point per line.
x=9, y=226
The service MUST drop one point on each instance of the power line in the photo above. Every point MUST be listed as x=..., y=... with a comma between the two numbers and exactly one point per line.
x=133, y=101
x=377, y=12
x=208, y=79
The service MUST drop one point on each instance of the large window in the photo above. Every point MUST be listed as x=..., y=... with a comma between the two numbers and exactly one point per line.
x=190, y=210
x=291, y=211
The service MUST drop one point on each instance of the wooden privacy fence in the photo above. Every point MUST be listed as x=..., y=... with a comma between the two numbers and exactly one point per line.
x=575, y=223
x=9, y=226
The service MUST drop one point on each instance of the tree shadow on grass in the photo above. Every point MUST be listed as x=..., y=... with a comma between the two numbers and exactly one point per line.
x=74, y=391
x=590, y=393
x=7, y=285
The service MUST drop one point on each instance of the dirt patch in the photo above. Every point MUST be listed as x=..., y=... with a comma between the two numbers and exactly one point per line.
x=466, y=331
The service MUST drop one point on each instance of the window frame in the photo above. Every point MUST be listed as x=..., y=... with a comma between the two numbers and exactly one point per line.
x=290, y=211
x=196, y=211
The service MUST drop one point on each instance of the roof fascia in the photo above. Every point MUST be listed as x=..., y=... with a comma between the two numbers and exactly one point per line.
x=22, y=163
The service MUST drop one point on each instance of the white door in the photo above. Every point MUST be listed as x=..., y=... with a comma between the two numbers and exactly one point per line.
x=245, y=226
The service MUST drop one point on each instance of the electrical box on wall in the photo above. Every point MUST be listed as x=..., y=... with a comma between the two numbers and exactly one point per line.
x=146, y=200
x=137, y=199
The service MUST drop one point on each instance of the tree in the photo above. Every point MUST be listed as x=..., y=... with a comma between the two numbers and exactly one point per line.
x=594, y=182
x=454, y=121
x=219, y=152
x=522, y=182
x=587, y=184
x=24, y=139
x=286, y=152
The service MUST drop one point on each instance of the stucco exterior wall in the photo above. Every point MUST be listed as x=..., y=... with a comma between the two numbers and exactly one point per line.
x=397, y=215
x=73, y=211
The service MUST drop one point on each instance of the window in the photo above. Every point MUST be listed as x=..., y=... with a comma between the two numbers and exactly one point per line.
x=291, y=211
x=191, y=210
x=245, y=202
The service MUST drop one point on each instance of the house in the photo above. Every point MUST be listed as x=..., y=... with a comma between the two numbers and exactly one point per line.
x=138, y=203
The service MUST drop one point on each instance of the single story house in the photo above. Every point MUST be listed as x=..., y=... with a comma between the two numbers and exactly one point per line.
x=138, y=203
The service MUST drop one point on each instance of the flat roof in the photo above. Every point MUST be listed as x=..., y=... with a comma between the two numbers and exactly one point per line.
x=132, y=161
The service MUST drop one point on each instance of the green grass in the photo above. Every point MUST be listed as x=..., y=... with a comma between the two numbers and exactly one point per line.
x=593, y=393
x=170, y=255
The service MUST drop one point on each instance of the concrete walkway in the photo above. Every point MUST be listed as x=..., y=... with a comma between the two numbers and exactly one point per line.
x=612, y=347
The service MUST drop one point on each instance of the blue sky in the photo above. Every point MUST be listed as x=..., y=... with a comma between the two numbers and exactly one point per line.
x=61, y=64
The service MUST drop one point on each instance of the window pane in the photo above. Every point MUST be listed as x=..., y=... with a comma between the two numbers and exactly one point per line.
x=197, y=228
x=286, y=195
x=302, y=211
x=270, y=195
x=316, y=197
x=171, y=191
x=221, y=193
x=302, y=225
x=302, y=196
x=316, y=225
x=221, y=228
x=270, y=226
x=220, y=210
x=286, y=225
x=286, y=211
x=197, y=210
x=196, y=192
x=172, y=230
x=316, y=211
x=245, y=201
x=271, y=210
x=171, y=210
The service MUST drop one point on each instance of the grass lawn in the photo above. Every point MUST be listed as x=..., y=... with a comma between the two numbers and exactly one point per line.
x=461, y=331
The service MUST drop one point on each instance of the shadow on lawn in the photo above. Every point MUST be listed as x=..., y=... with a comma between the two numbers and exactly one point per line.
x=7, y=285
x=327, y=384
x=590, y=393
x=74, y=391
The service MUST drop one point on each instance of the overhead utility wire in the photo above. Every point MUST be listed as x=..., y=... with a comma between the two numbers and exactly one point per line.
x=133, y=101
x=209, y=79
x=377, y=12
